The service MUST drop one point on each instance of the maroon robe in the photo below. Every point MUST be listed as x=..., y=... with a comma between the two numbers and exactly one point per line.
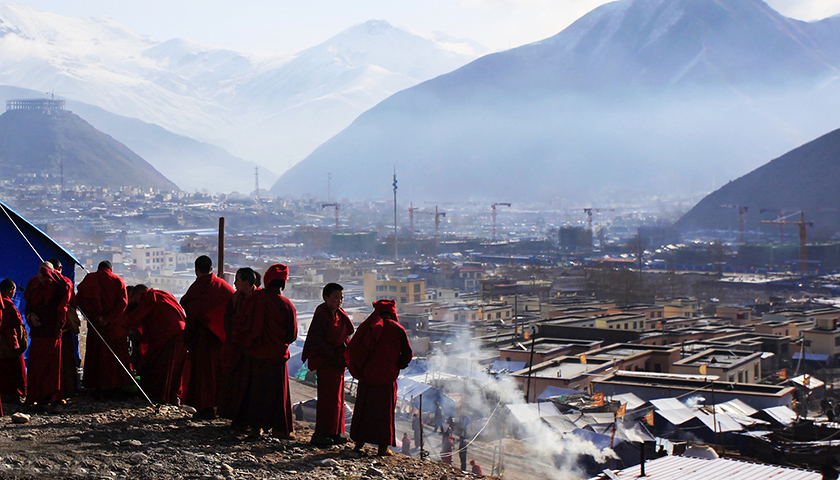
x=375, y=356
x=324, y=350
x=69, y=353
x=161, y=320
x=204, y=303
x=230, y=391
x=267, y=326
x=12, y=370
x=47, y=300
x=103, y=298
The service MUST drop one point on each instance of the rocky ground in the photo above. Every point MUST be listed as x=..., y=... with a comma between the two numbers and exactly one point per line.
x=130, y=439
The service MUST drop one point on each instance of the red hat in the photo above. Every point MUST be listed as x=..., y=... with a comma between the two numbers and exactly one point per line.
x=278, y=271
x=386, y=306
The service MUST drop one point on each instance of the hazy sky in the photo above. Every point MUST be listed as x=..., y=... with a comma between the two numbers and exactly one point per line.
x=289, y=26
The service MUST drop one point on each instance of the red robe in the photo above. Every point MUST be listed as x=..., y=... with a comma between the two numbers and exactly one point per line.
x=230, y=391
x=48, y=301
x=204, y=303
x=267, y=326
x=161, y=320
x=103, y=299
x=70, y=360
x=375, y=356
x=12, y=370
x=324, y=350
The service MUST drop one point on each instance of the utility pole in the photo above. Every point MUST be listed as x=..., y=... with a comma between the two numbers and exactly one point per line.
x=396, y=242
x=329, y=186
x=257, y=185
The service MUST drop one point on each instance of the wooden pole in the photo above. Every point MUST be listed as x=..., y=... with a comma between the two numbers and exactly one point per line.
x=221, y=259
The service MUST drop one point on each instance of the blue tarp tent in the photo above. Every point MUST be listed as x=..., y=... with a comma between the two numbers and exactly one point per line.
x=557, y=392
x=18, y=259
x=408, y=390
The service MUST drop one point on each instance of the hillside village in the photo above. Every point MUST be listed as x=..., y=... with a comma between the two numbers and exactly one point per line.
x=530, y=337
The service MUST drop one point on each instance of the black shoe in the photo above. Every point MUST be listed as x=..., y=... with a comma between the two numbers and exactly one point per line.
x=321, y=441
x=339, y=439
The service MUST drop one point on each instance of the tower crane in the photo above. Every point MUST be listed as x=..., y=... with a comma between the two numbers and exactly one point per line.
x=412, y=210
x=493, y=207
x=803, y=249
x=588, y=211
x=337, y=206
x=741, y=211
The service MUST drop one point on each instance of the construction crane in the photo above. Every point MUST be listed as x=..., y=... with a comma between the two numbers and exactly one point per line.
x=493, y=207
x=588, y=211
x=337, y=206
x=781, y=212
x=412, y=210
x=803, y=249
x=741, y=211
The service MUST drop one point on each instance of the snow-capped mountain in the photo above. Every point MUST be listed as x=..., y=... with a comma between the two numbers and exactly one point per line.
x=272, y=110
x=636, y=98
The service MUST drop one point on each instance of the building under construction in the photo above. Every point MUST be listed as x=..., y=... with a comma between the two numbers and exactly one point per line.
x=42, y=104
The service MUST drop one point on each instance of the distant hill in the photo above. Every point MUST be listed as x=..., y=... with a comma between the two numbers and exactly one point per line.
x=802, y=179
x=192, y=165
x=39, y=142
x=638, y=98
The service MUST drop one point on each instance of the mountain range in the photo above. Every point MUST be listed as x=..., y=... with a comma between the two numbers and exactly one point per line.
x=272, y=110
x=638, y=98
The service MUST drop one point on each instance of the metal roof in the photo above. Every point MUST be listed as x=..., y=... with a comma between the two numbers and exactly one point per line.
x=681, y=468
x=529, y=412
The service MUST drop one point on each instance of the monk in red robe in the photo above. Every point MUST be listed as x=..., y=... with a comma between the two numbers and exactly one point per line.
x=102, y=298
x=161, y=320
x=70, y=358
x=204, y=303
x=230, y=387
x=12, y=369
x=324, y=350
x=267, y=326
x=46, y=311
x=375, y=356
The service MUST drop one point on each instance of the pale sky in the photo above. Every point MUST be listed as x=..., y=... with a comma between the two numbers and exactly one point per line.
x=284, y=26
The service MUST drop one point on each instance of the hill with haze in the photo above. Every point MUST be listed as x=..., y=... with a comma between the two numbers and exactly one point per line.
x=34, y=142
x=638, y=98
x=804, y=179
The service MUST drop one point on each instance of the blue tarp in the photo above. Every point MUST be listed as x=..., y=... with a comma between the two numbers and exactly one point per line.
x=18, y=260
x=814, y=357
x=556, y=392
x=408, y=389
x=502, y=365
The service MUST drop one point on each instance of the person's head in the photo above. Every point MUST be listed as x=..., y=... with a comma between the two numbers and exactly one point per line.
x=333, y=294
x=276, y=276
x=44, y=271
x=246, y=280
x=105, y=265
x=472, y=462
x=8, y=287
x=56, y=263
x=405, y=434
x=203, y=266
x=137, y=292
x=386, y=308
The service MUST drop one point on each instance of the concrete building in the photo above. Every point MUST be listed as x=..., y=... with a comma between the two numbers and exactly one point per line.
x=739, y=366
x=403, y=290
x=152, y=258
x=649, y=386
x=822, y=342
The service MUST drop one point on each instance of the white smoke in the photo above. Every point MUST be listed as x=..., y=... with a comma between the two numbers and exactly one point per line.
x=539, y=447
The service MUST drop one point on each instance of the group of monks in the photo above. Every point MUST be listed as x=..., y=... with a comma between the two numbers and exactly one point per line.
x=221, y=350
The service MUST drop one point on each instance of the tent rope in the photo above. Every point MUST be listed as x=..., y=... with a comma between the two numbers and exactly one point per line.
x=6, y=211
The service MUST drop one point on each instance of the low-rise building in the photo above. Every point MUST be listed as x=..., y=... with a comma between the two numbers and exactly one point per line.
x=740, y=366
